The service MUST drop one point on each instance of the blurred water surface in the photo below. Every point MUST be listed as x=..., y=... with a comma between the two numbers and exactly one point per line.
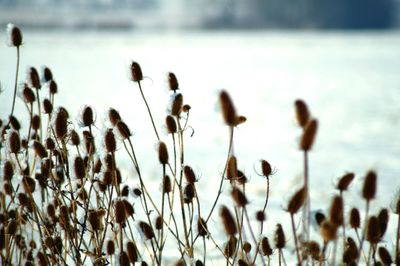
x=350, y=80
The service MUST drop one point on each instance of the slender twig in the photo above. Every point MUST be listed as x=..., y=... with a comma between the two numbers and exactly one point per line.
x=16, y=82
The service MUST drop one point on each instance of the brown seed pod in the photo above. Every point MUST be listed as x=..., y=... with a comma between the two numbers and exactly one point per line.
x=231, y=169
x=385, y=256
x=109, y=162
x=136, y=72
x=383, y=218
x=189, y=174
x=350, y=253
x=189, y=193
x=113, y=116
x=87, y=116
x=336, y=211
x=110, y=247
x=74, y=138
x=15, y=124
x=146, y=230
x=227, y=108
x=51, y=210
x=265, y=247
x=41, y=259
x=58, y=244
x=47, y=106
x=302, y=113
x=47, y=74
x=260, y=216
x=2, y=238
x=125, y=191
x=186, y=108
x=308, y=136
x=369, y=187
x=241, y=178
x=61, y=123
x=280, y=240
x=137, y=192
x=88, y=140
x=176, y=106
x=123, y=130
x=319, y=217
x=12, y=227
x=171, y=124
x=39, y=149
x=202, y=227
x=167, y=187
x=123, y=259
x=120, y=212
x=345, y=181
x=29, y=184
x=79, y=168
x=354, y=218
x=240, y=119
x=230, y=246
x=8, y=171
x=313, y=249
x=247, y=247
x=228, y=221
x=50, y=144
x=132, y=252
x=7, y=188
x=266, y=168
x=199, y=263
x=129, y=210
x=53, y=88
x=34, y=78
x=239, y=197
x=35, y=122
x=173, y=82
x=373, y=233
x=14, y=142
x=28, y=94
x=94, y=220
x=158, y=223
x=14, y=35
x=97, y=166
x=297, y=201
x=328, y=231
x=162, y=153
x=109, y=141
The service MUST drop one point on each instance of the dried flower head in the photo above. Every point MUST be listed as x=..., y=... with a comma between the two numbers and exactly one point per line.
x=230, y=246
x=308, y=136
x=202, y=227
x=15, y=124
x=113, y=116
x=373, y=233
x=167, y=187
x=383, y=218
x=336, y=211
x=123, y=130
x=14, y=35
x=265, y=247
x=354, y=218
x=162, y=153
x=231, y=168
x=297, y=201
x=120, y=212
x=39, y=149
x=61, y=123
x=239, y=197
x=146, y=230
x=228, y=221
x=280, y=240
x=110, y=247
x=328, y=231
x=266, y=168
x=123, y=259
x=189, y=174
x=53, y=88
x=87, y=116
x=109, y=141
x=136, y=72
x=171, y=124
x=34, y=79
x=302, y=113
x=132, y=252
x=227, y=108
x=176, y=105
x=8, y=170
x=319, y=217
x=345, y=181
x=47, y=106
x=173, y=82
x=28, y=94
x=14, y=142
x=369, y=187
x=385, y=256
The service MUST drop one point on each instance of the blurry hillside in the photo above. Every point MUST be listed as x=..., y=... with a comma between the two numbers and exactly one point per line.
x=210, y=14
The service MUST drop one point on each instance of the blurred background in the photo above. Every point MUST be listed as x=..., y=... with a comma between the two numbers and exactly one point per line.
x=342, y=57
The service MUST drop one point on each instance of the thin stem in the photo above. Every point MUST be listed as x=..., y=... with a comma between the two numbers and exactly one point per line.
x=148, y=110
x=40, y=114
x=15, y=83
x=251, y=231
x=365, y=227
x=306, y=210
x=396, y=254
x=295, y=239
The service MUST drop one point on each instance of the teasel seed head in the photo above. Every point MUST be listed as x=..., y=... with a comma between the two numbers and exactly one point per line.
x=167, y=187
x=87, y=116
x=355, y=218
x=123, y=130
x=79, y=168
x=199, y=263
x=110, y=247
x=266, y=247
x=15, y=124
x=29, y=184
x=137, y=192
x=189, y=193
x=39, y=149
x=186, y=108
x=266, y=168
x=313, y=249
x=383, y=217
x=109, y=141
x=239, y=197
x=171, y=124
x=47, y=106
x=34, y=78
x=230, y=246
x=227, y=108
x=61, y=123
x=385, y=256
x=47, y=74
x=136, y=72
x=247, y=247
x=328, y=231
x=12, y=227
x=302, y=112
x=14, y=35
x=345, y=181
x=95, y=218
x=132, y=252
x=113, y=116
x=28, y=94
x=146, y=230
x=7, y=188
x=41, y=259
x=125, y=191
x=373, y=233
x=129, y=210
x=350, y=253
x=280, y=240
x=14, y=142
x=336, y=211
x=369, y=187
x=309, y=134
x=189, y=174
x=50, y=144
x=158, y=224
x=231, y=170
x=260, y=216
x=173, y=82
x=202, y=227
x=176, y=106
x=123, y=259
x=8, y=170
x=53, y=88
x=120, y=212
x=162, y=153
x=297, y=201
x=51, y=210
x=228, y=221
x=88, y=140
x=319, y=217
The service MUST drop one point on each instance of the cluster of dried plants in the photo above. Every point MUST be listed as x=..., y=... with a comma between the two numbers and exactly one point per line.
x=63, y=199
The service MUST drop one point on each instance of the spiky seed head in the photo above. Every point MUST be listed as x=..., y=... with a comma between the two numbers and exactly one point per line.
x=132, y=252
x=266, y=247
x=319, y=217
x=53, y=87
x=51, y=210
x=260, y=216
x=110, y=247
x=373, y=230
x=158, y=225
x=162, y=153
x=230, y=246
x=8, y=170
x=87, y=116
x=186, y=108
x=176, y=106
x=39, y=149
x=94, y=220
x=227, y=108
x=167, y=188
x=47, y=74
x=119, y=212
x=199, y=263
x=136, y=72
x=113, y=116
x=74, y=138
x=266, y=168
x=137, y=192
x=61, y=123
x=308, y=137
x=12, y=227
x=28, y=94
x=351, y=253
x=369, y=187
x=34, y=78
x=345, y=181
x=247, y=247
x=88, y=140
x=355, y=218
x=171, y=124
x=228, y=221
x=328, y=231
x=109, y=141
x=189, y=174
x=123, y=130
x=79, y=168
x=50, y=144
x=239, y=197
x=41, y=259
x=146, y=230
x=302, y=112
x=385, y=256
x=47, y=106
x=231, y=170
x=280, y=240
x=125, y=191
x=202, y=227
x=336, y=211
x=313, y=249
x=14, y=142
x=14, y=35
x=383, y=217
x=297, y=200
x=29, y=184
x=15, y=124
x=123, y=259
x=128, y=208
x=189, y=193
x=173, y=82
